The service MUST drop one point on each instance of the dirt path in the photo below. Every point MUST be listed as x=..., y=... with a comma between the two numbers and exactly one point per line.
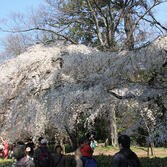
x=140, y=153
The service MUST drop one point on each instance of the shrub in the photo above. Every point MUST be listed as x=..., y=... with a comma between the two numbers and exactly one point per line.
x=6, y=162
x=104, y=161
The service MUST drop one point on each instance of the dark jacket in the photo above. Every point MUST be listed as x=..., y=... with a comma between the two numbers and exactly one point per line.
x=24, y=162
x=124, y=158
x=38, y=153
x=59, y=161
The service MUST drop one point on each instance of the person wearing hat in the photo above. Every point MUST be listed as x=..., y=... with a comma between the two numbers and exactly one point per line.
x=42, y=155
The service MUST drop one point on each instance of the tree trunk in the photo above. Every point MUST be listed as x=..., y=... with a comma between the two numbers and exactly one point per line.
x=128, y=26
x=151, y=143
x=106, y=142
x=73, y=138
x=61, y=141
x=150, y=148
x=112, y=43
x=95, y=18
x=113, y=128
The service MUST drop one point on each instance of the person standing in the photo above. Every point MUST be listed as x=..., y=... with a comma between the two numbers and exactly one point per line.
x=21, y=159
x=125, y=157
x=42, y=155
x=1, y=151
x=84, y=154
x=93, y=142
x=6, y=148
x=85, y=147
x=30, y=148
x=78, y=157
x=59, y=160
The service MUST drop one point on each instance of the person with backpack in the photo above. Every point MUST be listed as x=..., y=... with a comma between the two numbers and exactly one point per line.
x=21, y=159
x=83, y=154
x=42, y=155
x=59, y=160
x=125, y=157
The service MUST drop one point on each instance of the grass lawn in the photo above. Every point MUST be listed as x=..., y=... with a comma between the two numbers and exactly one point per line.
x=140, y=151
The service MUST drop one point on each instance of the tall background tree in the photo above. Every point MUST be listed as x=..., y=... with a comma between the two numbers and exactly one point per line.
x=106, y=24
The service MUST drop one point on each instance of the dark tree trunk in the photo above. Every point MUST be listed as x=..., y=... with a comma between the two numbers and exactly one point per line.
x=73, y=138
x=113, y=128
x=128, y=26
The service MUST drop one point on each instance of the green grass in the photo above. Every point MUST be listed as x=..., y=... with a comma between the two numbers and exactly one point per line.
x=111, y=148
x=108, y=148
x=133, y=148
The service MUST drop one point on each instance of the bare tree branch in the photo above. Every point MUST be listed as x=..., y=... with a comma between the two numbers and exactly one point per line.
x=96, y=23
x=158, y=23
x=41, y=29
x=141, y=17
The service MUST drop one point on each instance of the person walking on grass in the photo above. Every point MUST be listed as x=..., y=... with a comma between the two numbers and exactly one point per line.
x=125, y=157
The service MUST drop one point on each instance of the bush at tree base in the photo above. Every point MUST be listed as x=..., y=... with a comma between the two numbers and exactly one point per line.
x=106, y=161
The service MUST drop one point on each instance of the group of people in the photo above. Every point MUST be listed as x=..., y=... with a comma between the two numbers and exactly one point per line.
x=124, y=158
x=27, y=156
